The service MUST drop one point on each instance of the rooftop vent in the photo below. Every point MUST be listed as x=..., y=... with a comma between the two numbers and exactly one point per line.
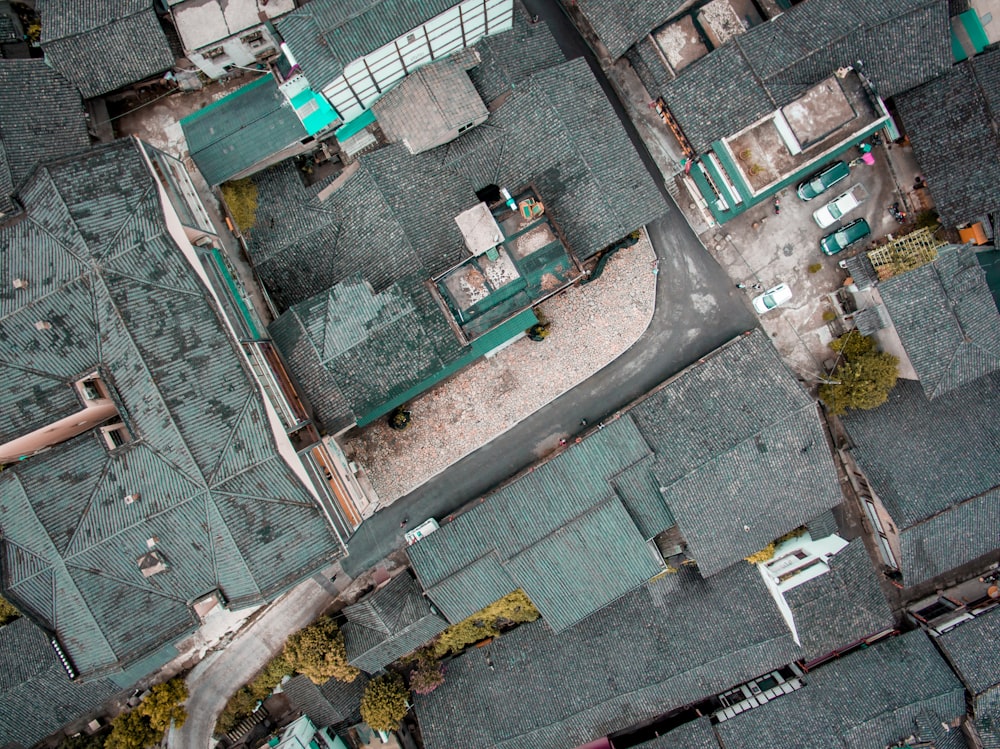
x=131, y=498
x=43, y=325
x=20, y=283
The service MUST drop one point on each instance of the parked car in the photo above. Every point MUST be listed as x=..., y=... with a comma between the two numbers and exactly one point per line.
x=823, y=180
x=772, y=298
x=845, y=236
x=840, y=206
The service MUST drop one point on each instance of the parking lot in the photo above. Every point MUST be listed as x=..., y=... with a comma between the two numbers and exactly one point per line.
x=761, y=247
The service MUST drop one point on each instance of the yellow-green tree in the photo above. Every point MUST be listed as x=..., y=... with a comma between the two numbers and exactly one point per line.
x=318, y=652
x=864, y=377
x=7, y=611
x=131, y=731
x=164, y=705
x=384, y=703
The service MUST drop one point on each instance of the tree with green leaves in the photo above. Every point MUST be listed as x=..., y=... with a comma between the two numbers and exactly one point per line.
x=318, y=652
x=7, y=611
x=164, y=705
x=385, y=702
x=132, y=731
x=863, y=378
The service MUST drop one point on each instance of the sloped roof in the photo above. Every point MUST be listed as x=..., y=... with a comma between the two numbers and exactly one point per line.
x=560, y=533
x=697, y=734
x=947, y=320
x=900, y=44
x=935, y=466
x=101, y=47
x=872, y=697
x=619, y=26
x=41, y=118
x=373, y=243
x=325, y=35
x=823, y=621
x=228, y=512
x=37, y=696
x=673, y=641
x=972, y=648
x=429, y=105
x=953, y=122
x=244, y=128
x=333, y=704
x=386, y=625
x=741, y=455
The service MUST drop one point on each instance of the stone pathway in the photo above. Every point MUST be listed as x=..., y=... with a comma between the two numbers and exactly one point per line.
x=591, y=325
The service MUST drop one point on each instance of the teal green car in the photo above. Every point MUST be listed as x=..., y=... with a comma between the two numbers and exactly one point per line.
x=822, y=180
x=845, y=236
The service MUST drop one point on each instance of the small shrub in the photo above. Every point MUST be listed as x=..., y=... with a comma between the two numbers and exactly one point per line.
x=399, y=418
x=241, y=197
x=829, y=315
x=538, y=331
x=515, y=608
x=384, y=703
x=427, y=677
x=927, y=219
x=8, y=612
x=816, y=267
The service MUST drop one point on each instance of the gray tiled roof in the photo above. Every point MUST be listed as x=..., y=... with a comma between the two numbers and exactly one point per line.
x=698, y=734
x=326, y=35
x=237, y=132
x=229, y=513
x=935, y=466
x=953, y=122
x=901, y=45
x=972, y=648
x=559, y=533
x=822, y=619
x=872, y=697
x=675, y=640
x=988, y=718
x=959, y=534
x=388, y=624
x=648, y=653
x=370, y=247
x=620, y=25
x=429, y=106
x=41, y=118
x=741, y=455
x=334, y=704
x=101, y=47
x=923, y=456
x=946, y=319
x=37, y=695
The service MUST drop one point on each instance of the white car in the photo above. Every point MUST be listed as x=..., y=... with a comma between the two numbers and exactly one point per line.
x=837, y=208
x=772, y=298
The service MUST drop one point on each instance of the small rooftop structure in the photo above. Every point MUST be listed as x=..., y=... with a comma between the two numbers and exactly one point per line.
x=203, y=23
x=479, y=229
x=101, y=48
x=953, y=122
x=389, y=623
x=431, y=106
x=947, y=320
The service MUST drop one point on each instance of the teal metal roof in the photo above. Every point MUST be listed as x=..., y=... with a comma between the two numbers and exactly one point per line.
x=226, y=511
x=242, y=129
x=559, y=533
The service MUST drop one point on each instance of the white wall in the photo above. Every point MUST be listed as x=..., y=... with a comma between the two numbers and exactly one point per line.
x=366, y=79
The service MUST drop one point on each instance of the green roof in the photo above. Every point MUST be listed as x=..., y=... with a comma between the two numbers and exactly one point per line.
x=242, y=129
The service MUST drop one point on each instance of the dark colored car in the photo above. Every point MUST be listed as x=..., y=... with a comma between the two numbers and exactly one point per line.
x=822, y=180
x=845, y=236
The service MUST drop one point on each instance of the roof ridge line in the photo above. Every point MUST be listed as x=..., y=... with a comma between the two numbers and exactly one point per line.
x=953, y=506
x=90, y=500
x=102, y=574
x=127, y=333
x=134, y=216
x=272, y=500
x=210, y=478
x=230, y=541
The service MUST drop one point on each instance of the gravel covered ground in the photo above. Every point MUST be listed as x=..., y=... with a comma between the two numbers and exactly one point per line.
x=591, y=325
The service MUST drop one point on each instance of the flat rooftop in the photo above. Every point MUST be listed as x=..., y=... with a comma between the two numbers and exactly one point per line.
x=825, y=116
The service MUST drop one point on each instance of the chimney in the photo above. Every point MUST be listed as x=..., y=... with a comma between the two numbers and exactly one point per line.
x=20, y=283
x=43, y=325
x=130, y=498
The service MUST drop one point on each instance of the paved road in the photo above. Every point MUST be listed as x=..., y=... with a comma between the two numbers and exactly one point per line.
x=697, y=309
x=216, y=678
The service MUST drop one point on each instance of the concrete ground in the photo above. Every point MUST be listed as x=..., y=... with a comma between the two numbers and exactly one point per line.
x=760, y=247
